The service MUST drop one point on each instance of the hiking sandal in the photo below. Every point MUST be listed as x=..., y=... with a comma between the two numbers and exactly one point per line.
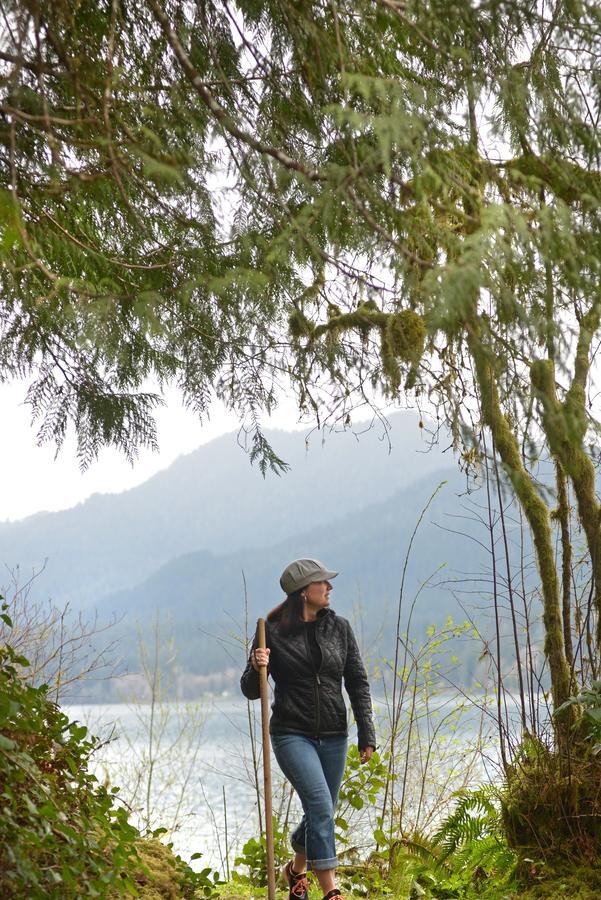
x=298, y=884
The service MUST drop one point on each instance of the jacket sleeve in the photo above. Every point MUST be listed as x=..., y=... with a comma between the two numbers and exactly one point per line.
x=249, y=682
x=357, y=687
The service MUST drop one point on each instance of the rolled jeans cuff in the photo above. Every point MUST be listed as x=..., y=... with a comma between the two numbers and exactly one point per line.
x=322, y=864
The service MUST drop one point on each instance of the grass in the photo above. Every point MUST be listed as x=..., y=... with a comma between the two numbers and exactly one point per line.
x=567, y=880
x=577, y=883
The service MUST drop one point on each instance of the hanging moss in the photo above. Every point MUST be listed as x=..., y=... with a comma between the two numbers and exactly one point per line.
x=390, y=365
x=568, y=180
x=406, y=335
x=402, y=339
x=402, y=336
x=362, y=319
x=365, y=315
x=299, y=326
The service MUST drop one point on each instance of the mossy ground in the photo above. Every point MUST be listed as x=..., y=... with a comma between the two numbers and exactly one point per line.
x=239, y=892
x=577, y=882
x=159, y=877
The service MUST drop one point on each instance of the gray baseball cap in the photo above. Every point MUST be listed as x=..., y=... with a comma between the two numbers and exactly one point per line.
x=301, y=572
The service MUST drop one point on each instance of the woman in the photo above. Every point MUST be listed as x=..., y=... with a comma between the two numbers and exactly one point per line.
x=310, y=651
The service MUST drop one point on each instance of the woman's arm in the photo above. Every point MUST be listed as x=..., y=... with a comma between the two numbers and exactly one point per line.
x=357, y=687
x=249, y=682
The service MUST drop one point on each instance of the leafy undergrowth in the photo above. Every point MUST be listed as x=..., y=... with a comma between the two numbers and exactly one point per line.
x=62, y=834
x=576, y=884
x=163, y=875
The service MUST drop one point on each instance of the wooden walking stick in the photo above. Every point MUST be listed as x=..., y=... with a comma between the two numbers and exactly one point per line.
x=266, y=766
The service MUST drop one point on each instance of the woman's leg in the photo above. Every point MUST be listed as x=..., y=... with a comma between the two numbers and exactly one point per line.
x=332, y=755
x=299, y=863
x=315, y=769
x=326, y=878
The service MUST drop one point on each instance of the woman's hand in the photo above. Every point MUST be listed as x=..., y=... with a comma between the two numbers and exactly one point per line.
x=260, y=657
x=366, y=753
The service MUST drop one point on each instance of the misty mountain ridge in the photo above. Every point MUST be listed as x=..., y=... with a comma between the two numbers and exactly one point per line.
x=212, y=499
x=200, y=596
x=201, y=544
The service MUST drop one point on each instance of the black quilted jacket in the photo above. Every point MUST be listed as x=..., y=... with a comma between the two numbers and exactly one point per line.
x=307, y=701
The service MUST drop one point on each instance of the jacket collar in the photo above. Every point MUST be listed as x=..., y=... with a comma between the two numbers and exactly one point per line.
x=325, y=613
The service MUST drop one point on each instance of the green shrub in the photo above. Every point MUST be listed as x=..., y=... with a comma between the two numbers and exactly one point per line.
x=62, y=834
x=467, y=857
x=60, y=831
x=253, y=858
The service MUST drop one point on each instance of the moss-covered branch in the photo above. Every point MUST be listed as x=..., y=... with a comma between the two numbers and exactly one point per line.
x=567, y=180
x=402, y=335
x=564, y=425
x=537, y=515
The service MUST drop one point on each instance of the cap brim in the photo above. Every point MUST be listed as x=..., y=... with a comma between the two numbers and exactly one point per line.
x=324, y=575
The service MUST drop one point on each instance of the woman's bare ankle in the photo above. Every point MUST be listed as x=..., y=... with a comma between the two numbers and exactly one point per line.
x=326, y=879
x=299, y=864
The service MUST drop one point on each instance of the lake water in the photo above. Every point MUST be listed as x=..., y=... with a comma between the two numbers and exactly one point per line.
x=200, y=756
x=201, y=762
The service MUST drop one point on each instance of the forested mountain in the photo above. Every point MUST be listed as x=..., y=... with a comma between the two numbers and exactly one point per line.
x=214, y=500
x=203, y=593
x=183, y=546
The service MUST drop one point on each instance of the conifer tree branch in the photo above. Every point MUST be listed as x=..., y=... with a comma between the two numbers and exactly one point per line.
x=216, y=109
x=389, y=238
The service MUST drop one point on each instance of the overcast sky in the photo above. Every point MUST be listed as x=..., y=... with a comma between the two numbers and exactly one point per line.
x=33, y=479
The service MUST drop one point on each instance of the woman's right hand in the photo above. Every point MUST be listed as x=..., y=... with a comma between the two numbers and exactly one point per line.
x=260, y=657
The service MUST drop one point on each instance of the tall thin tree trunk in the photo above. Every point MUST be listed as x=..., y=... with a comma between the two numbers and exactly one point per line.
x=563, y=511
x=501, y=723
x=529, y=654
x=537, y=515
x=516, y=641
x=565, y=426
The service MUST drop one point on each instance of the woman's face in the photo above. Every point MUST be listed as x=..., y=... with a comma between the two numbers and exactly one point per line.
x=316, y=596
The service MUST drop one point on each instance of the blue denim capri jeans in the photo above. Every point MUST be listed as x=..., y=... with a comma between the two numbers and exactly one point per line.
x=314, y=767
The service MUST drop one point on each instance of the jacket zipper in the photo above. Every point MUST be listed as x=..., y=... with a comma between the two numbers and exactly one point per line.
x=317, y=682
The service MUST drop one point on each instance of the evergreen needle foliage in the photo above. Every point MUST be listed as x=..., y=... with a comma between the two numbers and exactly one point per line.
x=335, y=197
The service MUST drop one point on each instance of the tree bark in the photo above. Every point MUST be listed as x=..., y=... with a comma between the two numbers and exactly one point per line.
x=563, y=513
x=565, y=428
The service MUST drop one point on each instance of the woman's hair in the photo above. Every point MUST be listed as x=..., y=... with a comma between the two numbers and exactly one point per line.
x=289, y=614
